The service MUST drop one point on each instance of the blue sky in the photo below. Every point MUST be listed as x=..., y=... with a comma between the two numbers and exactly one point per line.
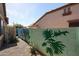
x=27, y=13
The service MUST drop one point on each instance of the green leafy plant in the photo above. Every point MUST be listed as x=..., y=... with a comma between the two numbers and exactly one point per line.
x=18, y=25
x=56, y=47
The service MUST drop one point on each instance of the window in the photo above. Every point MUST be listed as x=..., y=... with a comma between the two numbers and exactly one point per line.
x=2, y=26
x=67, y=11
x=74, y=23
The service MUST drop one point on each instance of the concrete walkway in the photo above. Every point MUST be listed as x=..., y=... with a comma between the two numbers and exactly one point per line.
x=22, y=49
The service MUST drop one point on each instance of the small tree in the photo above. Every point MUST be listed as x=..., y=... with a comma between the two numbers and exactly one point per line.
x=54, y=46
x=18, y=25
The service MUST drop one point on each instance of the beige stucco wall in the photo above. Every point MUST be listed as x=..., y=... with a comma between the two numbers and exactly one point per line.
x=57, y=20
x=1, y=9
x=2, y=13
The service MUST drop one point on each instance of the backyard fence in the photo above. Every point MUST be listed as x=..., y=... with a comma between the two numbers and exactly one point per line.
x=23, y=33
x=64, y=41
x=60, y=41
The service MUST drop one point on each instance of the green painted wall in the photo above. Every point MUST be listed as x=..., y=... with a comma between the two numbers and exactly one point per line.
x=71, y=40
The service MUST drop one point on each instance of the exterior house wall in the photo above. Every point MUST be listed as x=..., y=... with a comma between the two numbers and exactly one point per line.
x=57, y=20
x=3, y=23
x=2, y=16
x=1, y=9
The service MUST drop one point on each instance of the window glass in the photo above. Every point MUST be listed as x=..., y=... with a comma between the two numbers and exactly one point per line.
x=2, y=26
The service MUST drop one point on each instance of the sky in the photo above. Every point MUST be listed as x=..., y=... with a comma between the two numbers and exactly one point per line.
x=28, y=13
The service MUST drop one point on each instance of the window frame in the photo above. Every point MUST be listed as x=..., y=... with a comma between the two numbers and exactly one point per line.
x=67, y=11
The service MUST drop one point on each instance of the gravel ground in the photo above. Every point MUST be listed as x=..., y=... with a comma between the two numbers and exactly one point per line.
x=22, y=49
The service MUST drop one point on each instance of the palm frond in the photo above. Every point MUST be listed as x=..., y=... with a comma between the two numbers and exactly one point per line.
x=49, y=50
x=58, y=47
x=47, y=33
x=44, y=44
